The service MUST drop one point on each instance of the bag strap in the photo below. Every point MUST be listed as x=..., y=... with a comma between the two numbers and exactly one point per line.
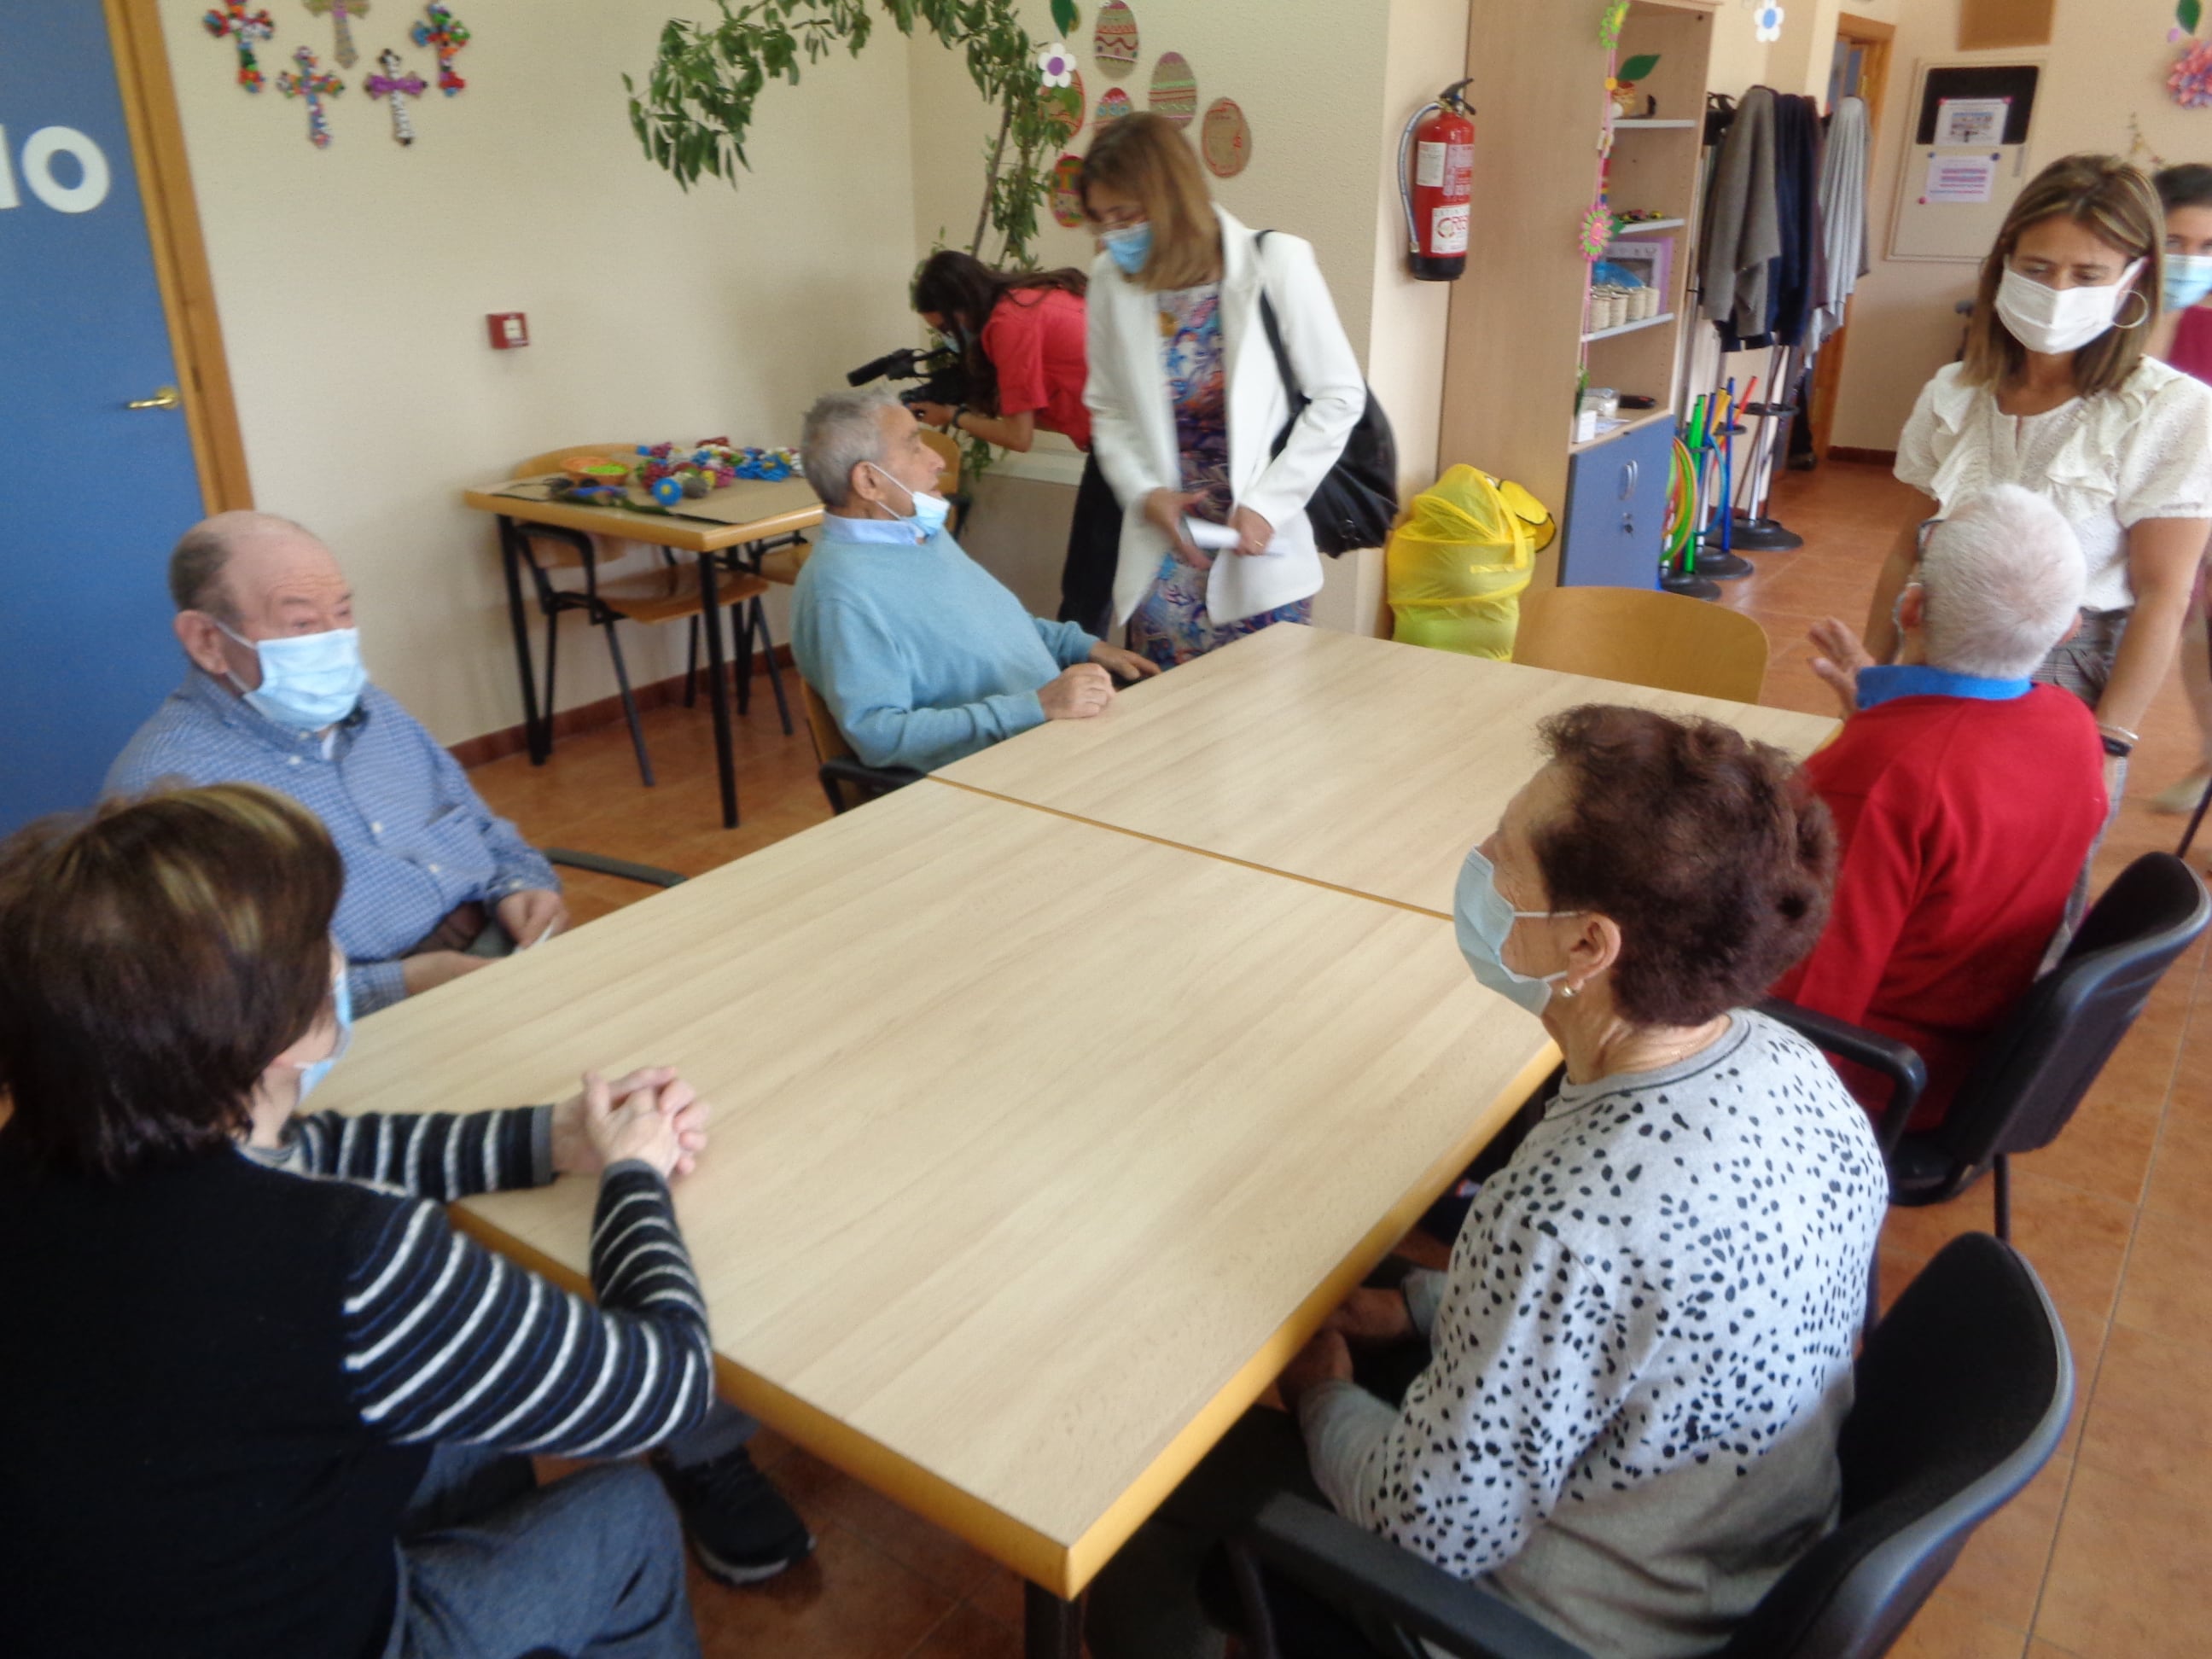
x=1275, y=332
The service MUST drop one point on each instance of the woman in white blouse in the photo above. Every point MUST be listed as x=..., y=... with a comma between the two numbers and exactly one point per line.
x=1188, y=410
x=2056, y=394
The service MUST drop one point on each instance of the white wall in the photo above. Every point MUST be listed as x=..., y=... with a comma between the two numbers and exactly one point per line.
x=2107, y=59
x=353, y=284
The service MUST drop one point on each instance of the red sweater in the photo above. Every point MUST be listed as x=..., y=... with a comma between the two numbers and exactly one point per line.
x=1034, y=340
x=1963, y=825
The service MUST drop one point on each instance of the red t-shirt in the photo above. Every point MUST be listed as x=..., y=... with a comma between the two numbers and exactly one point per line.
x=2192, y=343
x=1963, y=824
x=1035, y=341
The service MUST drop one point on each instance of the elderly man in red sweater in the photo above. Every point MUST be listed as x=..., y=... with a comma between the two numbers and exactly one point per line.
x=1966, y=797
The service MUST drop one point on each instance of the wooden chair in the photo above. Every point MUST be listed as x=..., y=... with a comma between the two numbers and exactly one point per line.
x=839, y=767
x=783, y=565
x=1644, y=637
x=655, y=596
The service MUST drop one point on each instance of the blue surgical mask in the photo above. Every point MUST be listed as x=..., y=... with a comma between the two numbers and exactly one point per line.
x=1128, y=246
x=342, y=1006
x=1483, y=919
x=308, y=681
x=2188, y=279
x=930, y=512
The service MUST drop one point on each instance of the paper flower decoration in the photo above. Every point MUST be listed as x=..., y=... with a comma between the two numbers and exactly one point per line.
x=1609, y=22
x=2186, y=16
x=1057, y=65
x=1064, y=17
x=2191, y=82
x=1770, y=23
x=1597, y=231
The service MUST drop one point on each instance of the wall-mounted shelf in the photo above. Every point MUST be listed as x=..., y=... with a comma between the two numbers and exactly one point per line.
x=1638, y=227
x=1649, y=124
x=1630, y=328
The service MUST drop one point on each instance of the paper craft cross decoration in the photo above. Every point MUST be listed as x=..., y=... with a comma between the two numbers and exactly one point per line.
x=244, y=27
x=340, y=14
x=398, y=89
x=446, y=34
x=314, y=85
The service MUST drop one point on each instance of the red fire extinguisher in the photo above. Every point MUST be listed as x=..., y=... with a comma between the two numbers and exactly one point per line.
x=1436, y=174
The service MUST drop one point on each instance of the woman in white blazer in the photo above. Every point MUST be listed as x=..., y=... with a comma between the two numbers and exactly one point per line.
x=1187, y=401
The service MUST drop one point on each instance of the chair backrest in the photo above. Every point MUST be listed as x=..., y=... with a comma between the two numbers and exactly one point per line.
x=555, y=552
x=2035, y=1067
x=828, y=742
x=948, y=451
x=1962, y=1394
x=1669, y=641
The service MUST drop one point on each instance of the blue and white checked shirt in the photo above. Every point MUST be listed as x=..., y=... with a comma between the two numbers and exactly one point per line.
x=417, y=838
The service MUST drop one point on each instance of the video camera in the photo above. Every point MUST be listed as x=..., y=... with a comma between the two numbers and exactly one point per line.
x=944, y=380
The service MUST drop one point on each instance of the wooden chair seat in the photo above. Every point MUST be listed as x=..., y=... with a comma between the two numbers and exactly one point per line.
x=672, y=591
x=784, y=564
x=1667, y=641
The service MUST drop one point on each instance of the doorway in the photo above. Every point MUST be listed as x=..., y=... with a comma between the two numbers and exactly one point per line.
x=1858, y=68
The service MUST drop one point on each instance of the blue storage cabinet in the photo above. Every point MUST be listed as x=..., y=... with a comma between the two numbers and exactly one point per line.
x=1616, y=522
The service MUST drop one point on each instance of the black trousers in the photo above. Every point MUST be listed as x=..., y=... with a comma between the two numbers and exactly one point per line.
x=1094, y=553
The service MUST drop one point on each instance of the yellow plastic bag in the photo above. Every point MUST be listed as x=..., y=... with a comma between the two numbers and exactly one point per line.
x=1457, y=565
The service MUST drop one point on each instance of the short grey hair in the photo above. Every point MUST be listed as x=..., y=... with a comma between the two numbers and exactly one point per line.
x=843, y=429
x=2003, y=578
x=202, y=554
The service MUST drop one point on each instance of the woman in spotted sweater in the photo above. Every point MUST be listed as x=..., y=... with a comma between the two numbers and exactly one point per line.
x=1627, y=1388
x=257, y=1396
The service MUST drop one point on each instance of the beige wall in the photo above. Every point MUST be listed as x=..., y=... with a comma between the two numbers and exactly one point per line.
x=353, y=284
x=2107, y=59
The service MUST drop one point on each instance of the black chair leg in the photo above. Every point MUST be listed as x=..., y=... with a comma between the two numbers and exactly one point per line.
x=691, y=665
x=552, y=648
x=629, y=704
x=2001, y=1195
x=831, y=788
x=2195, y=819
x=744, y=657
x=758, y=618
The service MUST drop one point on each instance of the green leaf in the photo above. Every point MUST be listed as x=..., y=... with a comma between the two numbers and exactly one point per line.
x=2188, y=13
x=1064, y=20
x=1644, y=61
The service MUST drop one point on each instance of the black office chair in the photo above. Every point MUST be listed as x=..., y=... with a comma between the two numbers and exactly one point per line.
x=2038, y=1065
x=652, y=875
x=1961, y=1396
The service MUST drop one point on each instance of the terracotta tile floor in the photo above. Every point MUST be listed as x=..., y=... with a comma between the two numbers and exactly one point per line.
x=2103, y=1555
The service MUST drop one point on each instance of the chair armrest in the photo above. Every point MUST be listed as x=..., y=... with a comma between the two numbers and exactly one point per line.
x=1898, y=1061
x=1359, y=1570
x=881, y=778
x=651, y=875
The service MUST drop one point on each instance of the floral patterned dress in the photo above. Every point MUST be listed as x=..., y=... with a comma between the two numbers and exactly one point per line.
x=1171, y=625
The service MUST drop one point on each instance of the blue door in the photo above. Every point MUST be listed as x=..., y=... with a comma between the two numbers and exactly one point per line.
x=94, y=493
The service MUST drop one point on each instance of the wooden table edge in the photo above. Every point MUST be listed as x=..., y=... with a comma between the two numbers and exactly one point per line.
x=1065, y=1569
x=685, y=535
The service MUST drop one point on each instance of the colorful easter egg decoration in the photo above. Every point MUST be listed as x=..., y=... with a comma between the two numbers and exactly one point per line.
x=1064, y=106
x=1115, y=45
x=1225, y=138
x=1174, y=88
x=1112, y=104
x=1066, y=199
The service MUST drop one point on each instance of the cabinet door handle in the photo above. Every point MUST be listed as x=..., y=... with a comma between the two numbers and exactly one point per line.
x=1628, y=471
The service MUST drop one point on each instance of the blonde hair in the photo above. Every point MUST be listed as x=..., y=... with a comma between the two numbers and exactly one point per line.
x=2115, y=202
x=1146, y=157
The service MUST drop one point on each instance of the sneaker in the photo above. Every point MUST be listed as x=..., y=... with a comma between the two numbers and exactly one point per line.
x=741, y=1527
x=2181, y=797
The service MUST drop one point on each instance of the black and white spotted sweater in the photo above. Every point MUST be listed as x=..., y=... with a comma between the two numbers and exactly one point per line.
x=1641, y=1352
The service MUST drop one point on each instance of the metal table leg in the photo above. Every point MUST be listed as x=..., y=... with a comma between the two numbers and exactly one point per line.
x=536, y=736
x=1051, y=1628
x=718, y=690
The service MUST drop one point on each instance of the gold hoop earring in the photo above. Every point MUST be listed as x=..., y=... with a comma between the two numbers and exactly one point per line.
x=1568, y=994
x=2136, y=294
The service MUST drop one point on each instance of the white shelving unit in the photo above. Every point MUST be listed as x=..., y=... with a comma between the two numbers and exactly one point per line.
x=1638, y=227
x=1649, y=124
x=1630, y=328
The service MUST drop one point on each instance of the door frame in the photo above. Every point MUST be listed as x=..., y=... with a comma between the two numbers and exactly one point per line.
x=180, y=263
x=1875, y=37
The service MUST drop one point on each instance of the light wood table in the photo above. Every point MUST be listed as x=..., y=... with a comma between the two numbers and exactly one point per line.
x=1038, y=1148
x=1355, y=763
x=755, y=514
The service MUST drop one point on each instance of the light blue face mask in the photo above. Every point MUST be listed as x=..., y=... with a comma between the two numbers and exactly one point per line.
x=1483, y=919
x=2188, y=279
x=342, y=1004
x=1129, y=247
x=308, y=681
x=930, y=512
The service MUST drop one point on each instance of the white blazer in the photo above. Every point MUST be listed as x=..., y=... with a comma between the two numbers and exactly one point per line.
x=1132, y=427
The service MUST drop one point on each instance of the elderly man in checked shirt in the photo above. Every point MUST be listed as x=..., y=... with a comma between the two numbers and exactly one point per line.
x=434, y=884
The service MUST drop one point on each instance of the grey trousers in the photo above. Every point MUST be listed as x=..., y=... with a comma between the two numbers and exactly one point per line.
x=494, y=1566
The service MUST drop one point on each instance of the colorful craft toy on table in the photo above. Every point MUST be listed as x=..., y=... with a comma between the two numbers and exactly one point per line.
x=711, y=463
x=244, y=27
x=398, y=89
x=446, y=34
x=340, y=14
x=314, y=85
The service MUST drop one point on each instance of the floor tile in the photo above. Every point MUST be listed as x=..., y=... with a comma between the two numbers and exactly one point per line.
x=2168, y=1291
x=2150, y=1420
x=1947, y=1628
x=849, y=1600
x=2127, y=1577
x=2106, y=1149
x=967, y=1634
x=2181, y=1166
x=1999, y=1574
x=827, y=1496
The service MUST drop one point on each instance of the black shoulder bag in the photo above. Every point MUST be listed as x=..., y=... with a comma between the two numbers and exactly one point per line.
x=1356, y=504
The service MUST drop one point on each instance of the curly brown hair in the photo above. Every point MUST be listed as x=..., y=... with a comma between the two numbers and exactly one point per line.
x=1711, y=853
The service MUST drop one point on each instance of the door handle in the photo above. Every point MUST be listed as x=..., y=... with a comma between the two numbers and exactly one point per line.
x=164, y=398
x=1628, y=471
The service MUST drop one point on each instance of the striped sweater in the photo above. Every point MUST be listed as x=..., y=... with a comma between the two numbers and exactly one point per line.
x=231, y=1371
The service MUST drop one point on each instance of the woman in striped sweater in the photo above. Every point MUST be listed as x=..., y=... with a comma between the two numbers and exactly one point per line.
x=256, y=1396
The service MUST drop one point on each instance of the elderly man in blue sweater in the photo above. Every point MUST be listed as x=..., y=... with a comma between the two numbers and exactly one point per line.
x=922, y=655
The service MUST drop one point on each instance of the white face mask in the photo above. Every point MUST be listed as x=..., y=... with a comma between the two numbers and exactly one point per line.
x=2056, y=320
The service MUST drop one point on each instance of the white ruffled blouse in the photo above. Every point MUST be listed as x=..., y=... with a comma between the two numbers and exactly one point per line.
x=2106, y=462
